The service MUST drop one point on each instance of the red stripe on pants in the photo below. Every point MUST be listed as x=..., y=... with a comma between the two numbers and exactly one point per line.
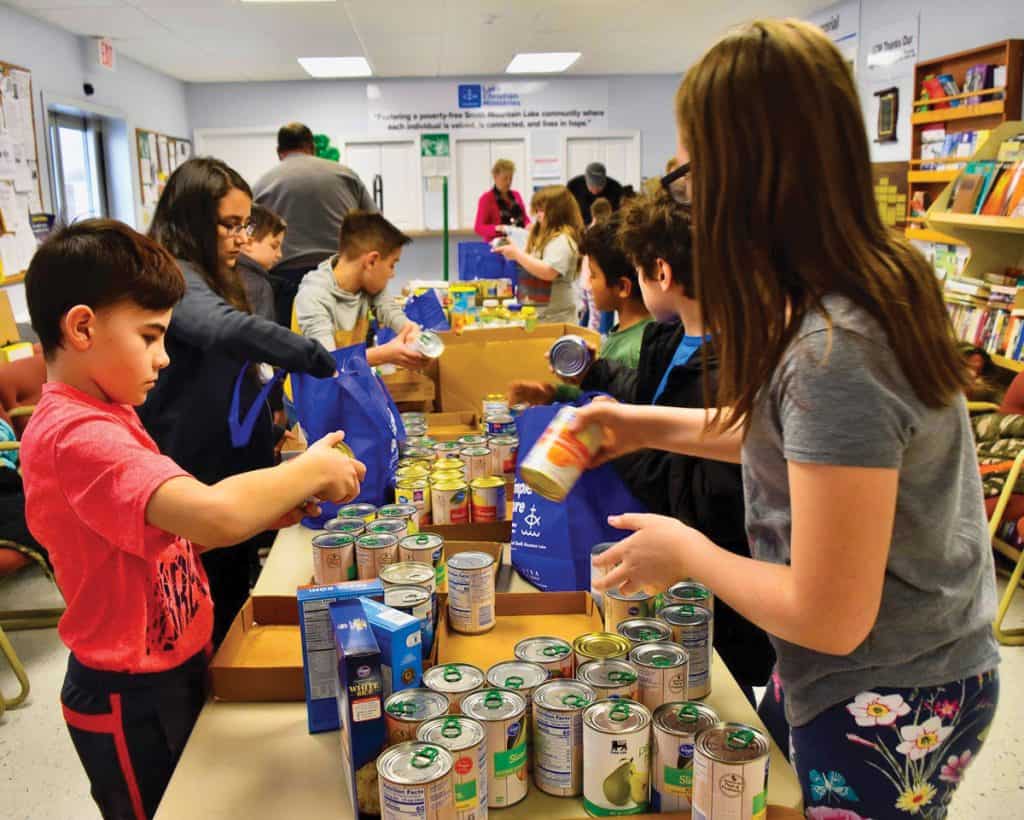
x=111, y=724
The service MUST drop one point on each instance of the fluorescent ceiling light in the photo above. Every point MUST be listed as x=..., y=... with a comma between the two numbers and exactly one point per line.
x=544, y=62
x=336, y=66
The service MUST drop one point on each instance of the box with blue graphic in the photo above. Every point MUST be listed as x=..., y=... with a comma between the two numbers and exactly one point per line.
x=401, y=645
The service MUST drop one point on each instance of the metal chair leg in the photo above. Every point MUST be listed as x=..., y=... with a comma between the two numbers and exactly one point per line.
x=19, y=672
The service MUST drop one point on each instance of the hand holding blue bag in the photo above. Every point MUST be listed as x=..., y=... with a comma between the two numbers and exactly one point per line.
x=551, y=541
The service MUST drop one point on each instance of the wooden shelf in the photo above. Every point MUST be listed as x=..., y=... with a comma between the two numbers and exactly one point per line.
x=981, y=92
x=1008, y=364
x=928, y=235
x=977, y=222
x=961, y=112
x=933, y=176
x=12, y=280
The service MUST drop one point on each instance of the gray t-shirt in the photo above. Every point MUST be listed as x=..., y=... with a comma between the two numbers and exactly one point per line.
x=561, y=253
x=840, y=398
x=312, y=195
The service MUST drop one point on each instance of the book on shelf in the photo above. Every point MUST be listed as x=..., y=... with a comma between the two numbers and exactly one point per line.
x=950, y=88
x=1011, y=149
x=932, y=90
x=977, y=78
x=990, y=188
x=968, y=189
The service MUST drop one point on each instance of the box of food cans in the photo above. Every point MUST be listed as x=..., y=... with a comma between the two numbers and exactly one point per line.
x=400, y=639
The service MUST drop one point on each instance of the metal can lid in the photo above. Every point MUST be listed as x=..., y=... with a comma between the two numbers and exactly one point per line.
x=406, y=596
x=356, y=510
x=420, y=453
x=476, y=452
x=495, y=397
x=523, y=675
x=487, y=482
x=610, y=673
x=688, y=591
x=493, y=704
x=569, y=356
x=413, y=415
x=333, y=540
x=498, y=418
x=450, y=485
x=659, y=655
x=453, y=732
x=414, y=762
x=447, y=446
x=345, y=526
x=422, y=541
x=618, y=716
x=388, y=526
x=454, y=678
x=470, y=560
x=504, y=441
x=564, y=695
x=636, y=596
x=376, y=541
x=645, y=630
x=684, y=717
x=473, y=440
x=450, y=463
x=542, y=649
x=397, y=511
x=601, y=645
x=604, y=546
x=416, y=705
x=685, y=615
x=407, y=573
x=732, y=743
x=411, y=484
x=542, y=484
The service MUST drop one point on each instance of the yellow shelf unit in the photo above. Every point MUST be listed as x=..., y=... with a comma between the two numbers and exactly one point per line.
x=933, y=176
x=927, y=235
x=961, y=112
x=1008, y=364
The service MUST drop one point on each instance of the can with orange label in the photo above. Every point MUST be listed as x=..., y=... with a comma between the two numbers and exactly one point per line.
x=559, y=457
x=487, y=499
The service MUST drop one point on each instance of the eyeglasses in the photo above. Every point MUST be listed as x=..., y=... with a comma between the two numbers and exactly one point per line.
x=241, y=229
x=670, y=184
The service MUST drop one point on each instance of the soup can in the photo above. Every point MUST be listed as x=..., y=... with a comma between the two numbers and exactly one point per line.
x=616, y=746
x=455, y=681
x=558, y=458
x=412, y=471
x=421, y=453
x=610, y=679
x=444, y=449
x=466, y=739
x=554, y=654
x=675, y=729
x=500, y=424
x=570, y=357
x=451, y=462
x=415, y=491
x=346, y=526
x=474, y=440
x=690, y=592
x=494, y=403
x=730, y=772
x=487, y=499
x=413, y=417
x=401, y=512
x=398, y=527
x=415, y=779
x=417, y=602
x=373, y=553
x=425, y=548
x=503, y=454
x=516, y=410
x=362, y=512
x=596, y=573
x=408, y=574
x=406, y=711
x=663, y=669
x=450, y=502
x=523, y=677
x=644, y=630
x=619, y=608
x=416, y=430
x=503, y=715
x=478, y=462
x=471, y=592
x=691, y=629
x=333, y=558
x=429, y=344
x=447, y=476
x=557, y=728
x=598, y=646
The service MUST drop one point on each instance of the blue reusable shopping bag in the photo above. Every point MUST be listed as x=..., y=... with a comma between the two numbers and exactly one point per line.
x=426, y=311
x=551, y=541
x=478, y=261
x=357, y=402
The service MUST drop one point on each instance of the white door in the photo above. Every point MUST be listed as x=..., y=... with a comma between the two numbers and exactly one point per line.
x=250, y=153
x=620, y=155
x=474, y=159
x=395, y=164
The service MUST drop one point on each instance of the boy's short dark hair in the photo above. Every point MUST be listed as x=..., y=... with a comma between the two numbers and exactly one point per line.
x=601, y=243
x=600, y=209
x=265, y=223
x=295, y=136
x=656, y=227
x=364, y=232
x=97, y=262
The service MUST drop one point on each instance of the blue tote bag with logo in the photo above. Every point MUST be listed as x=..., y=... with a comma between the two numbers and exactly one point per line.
x=551, y=541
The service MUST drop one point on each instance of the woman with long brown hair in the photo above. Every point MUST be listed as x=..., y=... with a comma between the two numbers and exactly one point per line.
x=840, y=393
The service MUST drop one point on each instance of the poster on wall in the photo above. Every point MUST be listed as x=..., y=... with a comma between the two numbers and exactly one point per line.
x=442, y=105
x=841, y=22
x=892, y=49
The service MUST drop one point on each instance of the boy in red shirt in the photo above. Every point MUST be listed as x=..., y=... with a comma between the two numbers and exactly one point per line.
x=122, y=522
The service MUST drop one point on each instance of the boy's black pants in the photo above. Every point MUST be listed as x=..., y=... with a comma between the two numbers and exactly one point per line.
x=129, y=730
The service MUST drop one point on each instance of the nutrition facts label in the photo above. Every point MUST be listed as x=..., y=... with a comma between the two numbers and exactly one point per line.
x=554, y=749
x=320, y=653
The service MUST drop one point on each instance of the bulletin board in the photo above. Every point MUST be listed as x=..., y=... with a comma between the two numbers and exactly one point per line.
x=890, y=186
x=159, y=155
x=20, y=186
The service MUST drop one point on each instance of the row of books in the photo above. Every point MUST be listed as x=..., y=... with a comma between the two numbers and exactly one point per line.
x=977, y=78
x=936, y=144
x=990, y=188
x=983, y=313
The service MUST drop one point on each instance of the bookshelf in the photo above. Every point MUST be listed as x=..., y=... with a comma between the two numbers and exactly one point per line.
x=988, y=109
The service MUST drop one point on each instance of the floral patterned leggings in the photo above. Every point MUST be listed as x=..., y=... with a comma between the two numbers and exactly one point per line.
x=888, y=753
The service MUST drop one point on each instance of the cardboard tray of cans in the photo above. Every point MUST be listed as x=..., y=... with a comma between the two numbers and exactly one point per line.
x=453, y=425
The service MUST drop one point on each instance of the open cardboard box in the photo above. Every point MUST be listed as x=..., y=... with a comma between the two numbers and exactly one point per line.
x=452, y=425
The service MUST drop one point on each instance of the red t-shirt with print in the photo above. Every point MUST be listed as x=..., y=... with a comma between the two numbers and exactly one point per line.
x=137, y=597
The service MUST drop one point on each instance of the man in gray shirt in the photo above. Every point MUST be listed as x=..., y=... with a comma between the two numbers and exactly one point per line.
x=312, y=195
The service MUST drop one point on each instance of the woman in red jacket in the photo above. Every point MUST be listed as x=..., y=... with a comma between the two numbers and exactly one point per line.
x=500, y=205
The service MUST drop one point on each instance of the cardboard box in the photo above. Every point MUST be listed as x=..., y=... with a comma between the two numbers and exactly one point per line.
x=483, y=532
x=453, y=425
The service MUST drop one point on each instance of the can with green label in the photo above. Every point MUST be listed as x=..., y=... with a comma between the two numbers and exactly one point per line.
x=466, y=739
x=503, y=715
x=617, y=749
x=676, y=726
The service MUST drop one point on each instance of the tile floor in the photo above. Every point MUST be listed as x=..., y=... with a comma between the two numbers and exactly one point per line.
x=40, y=776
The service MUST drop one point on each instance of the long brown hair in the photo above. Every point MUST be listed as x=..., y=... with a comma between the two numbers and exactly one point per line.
x=561, y=215
x=783, y=214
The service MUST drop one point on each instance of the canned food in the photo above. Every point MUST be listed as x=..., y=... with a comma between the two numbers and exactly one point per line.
x=691, y=629
x=500, y=424
x=597, y=646
x=554, y=654
x=363, y=512
x=473, y=441
x=663, y=669
x=730, y=773
x=416, y=778
x=570, y=357
x=503, y=454
x=412, y=471
x=425, y=548
x=523, y=677
x=429, y=344
x=417, y=602
x=373, y=553
x=398, y=527
x=616, y=746
x=487, y=499
x=690, y=592
x=406, y=711
x=478, y=462
x=413, y=416
x=415, y=430
x=344, y=449
x=619, y=608
x=596, y=573
x=415, y=491
x=644, y=630
x=517, y=410
x=471, y=592
x=345, y=526
x=450, y=502
x=443, y=449
x=454, y=680
x=402, y=512
x=421, y=453
x=494, y=403
x=408, y=574
x=675, y=729
x=446, y=476
x=611, y=678
x=503, y=715
x=558, y=458
x=333, y=558
x=451, y=462
x=557, y=722
x=466, y=739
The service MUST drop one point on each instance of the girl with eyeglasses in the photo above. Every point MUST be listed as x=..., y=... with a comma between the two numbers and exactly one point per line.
x=202, y=218
x=840, y=393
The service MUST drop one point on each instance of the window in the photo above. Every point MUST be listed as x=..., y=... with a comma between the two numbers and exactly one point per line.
x=77, y=167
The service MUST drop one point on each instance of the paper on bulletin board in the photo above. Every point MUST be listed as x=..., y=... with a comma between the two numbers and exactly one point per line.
x=8, y=206
x=7, y=166
x=183, y=150
x=164, y=154
x=547, y=167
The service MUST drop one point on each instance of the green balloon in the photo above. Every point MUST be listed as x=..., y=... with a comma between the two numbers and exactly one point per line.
x=333, y=154
x=321, y=141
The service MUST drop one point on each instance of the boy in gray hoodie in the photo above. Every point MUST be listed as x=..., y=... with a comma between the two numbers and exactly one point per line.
x=334, y=301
